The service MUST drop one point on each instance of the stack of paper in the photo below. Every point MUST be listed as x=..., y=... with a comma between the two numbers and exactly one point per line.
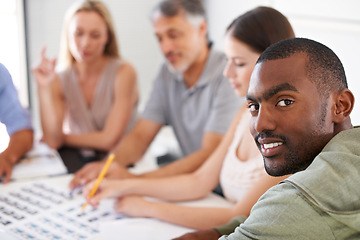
x=40, y=161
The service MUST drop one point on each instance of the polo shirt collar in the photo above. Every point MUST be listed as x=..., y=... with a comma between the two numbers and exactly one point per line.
x=206, y=73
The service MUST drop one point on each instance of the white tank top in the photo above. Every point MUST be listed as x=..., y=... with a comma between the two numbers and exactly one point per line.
x=237, y=177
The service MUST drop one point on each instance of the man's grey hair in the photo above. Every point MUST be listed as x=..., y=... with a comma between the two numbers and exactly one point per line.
x=193, y=10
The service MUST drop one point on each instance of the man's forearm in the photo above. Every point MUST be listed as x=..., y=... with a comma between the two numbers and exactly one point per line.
x=187, y=164
x=191, y=162
x=20, y=142
x=129, y=150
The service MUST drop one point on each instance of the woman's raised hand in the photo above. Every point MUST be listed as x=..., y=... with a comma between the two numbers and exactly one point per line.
x=45, y=72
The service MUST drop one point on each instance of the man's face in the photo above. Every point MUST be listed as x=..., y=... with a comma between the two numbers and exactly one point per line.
x=290, y=122
x=179, y=40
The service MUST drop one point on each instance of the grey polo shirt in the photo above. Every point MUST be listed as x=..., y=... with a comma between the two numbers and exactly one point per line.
x=208, y=106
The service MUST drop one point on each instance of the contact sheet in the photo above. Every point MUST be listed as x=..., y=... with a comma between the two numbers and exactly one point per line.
x=42, y=210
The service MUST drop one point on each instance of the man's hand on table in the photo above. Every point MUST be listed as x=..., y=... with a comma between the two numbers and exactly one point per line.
x=209, y=234
x=6, y=167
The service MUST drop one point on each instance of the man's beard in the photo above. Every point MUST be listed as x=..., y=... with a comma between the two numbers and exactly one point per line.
x=178, y=70
x=298, y=159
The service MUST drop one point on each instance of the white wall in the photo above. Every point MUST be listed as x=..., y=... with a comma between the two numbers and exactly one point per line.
x=331, y=22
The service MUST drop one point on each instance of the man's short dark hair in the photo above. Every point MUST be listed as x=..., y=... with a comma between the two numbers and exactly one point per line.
x=193, y=10
x=171, y=8
x=323, y=67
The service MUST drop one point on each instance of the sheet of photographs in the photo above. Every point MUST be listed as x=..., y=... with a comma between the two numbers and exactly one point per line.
x=39, y=210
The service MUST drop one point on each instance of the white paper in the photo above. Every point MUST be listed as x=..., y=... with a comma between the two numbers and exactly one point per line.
x=39, y=162
x=154, y=229
x=44, y=210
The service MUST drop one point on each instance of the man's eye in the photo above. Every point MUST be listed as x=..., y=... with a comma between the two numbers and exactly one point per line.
x=285, y=102
x=253, y=107
x=173, y=36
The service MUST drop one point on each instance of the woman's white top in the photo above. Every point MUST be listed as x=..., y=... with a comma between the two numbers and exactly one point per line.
x=238, y=176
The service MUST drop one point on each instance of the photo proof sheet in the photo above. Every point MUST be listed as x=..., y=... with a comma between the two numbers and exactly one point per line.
x=45, y=209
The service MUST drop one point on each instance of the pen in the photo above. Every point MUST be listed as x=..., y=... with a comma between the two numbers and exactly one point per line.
x=100, y=178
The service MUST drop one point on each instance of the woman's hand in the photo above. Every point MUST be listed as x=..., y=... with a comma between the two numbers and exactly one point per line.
x=45, y=72
x=108, y=188
x=133, y=206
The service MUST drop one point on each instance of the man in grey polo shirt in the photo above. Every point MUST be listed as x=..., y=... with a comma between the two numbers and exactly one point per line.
x=190, y=94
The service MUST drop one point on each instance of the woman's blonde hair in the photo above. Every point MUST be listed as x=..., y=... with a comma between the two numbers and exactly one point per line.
x=111, y=48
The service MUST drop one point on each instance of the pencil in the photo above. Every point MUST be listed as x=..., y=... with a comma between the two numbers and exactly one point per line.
x=100, y=178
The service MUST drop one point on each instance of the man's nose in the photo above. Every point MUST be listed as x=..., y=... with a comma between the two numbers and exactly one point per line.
x=264, y=120
x=166, y=46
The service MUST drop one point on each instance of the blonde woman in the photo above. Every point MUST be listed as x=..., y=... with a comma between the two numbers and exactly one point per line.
x=94, y=93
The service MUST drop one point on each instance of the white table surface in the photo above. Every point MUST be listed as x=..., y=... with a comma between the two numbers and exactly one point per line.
x=136, y=228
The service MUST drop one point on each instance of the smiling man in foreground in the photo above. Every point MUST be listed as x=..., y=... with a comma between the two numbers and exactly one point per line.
x=300, y=107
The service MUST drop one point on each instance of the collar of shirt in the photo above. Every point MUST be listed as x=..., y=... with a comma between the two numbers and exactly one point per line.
x=205, y=75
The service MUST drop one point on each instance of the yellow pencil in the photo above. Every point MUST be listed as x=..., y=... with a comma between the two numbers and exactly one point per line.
x=100, y=178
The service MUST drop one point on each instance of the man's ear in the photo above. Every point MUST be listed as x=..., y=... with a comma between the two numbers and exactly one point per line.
x=203, y=27
x=344, y=103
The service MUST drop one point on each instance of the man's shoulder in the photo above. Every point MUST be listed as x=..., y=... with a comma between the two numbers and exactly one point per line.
x=213, y=71
x=216, y=59
x=164, y=73
x=279, y=213
x=342, y=148
x=217, y=54
x=4, y=76
x=345, y=141
x=325, y=195
x=331, y=179
x=280, y=196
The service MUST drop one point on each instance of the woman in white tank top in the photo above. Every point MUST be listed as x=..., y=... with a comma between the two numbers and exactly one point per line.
x=236, y=163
